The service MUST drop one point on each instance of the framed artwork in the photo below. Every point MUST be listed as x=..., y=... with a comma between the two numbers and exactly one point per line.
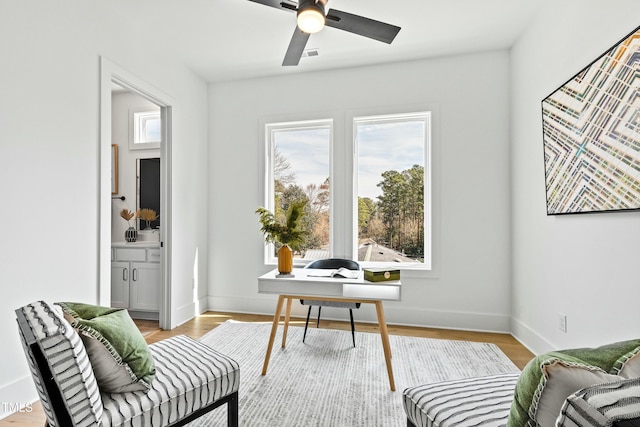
x=114, y=168
x=591, y=135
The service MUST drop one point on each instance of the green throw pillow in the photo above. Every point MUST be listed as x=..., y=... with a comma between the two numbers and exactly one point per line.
x=606, y=359
x=118, y=352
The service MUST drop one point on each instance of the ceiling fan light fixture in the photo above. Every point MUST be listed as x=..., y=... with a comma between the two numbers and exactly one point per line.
x=311, y=18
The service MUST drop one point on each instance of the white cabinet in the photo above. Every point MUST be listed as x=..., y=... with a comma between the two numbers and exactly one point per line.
x=144, y=288
x=120, y=272
x=136, y=278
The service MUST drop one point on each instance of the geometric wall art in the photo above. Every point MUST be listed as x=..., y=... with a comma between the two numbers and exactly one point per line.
x=591, y=135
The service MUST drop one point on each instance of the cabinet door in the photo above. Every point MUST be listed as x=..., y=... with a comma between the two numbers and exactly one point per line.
x=120, y=275
x=144, y=291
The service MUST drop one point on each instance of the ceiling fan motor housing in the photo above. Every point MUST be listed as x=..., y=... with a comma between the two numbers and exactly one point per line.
x=312, y=4
x=316, y=12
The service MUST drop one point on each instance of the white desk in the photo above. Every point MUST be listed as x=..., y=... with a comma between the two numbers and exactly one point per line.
x=303, y=285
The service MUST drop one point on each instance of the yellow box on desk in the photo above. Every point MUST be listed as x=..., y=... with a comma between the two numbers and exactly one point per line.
x=381, y=274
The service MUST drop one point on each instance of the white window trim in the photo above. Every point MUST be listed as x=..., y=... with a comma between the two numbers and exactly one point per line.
x=133, y=127
x=343, y=204
x=267, y=162
x=426, y=117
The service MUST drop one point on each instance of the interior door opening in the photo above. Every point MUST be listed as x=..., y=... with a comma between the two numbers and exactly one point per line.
x=134, y=266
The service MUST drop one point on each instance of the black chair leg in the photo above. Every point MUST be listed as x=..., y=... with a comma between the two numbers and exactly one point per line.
x=353, y=328
x=318, y=322
x=232, y=410
x=306, y=324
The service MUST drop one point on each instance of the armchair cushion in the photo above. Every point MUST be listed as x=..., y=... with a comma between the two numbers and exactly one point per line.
x=463, y=402
x=609, y=404
x=540, y=379
x=561, y=380
x=628, y=365
x=190, y=377
x=118, y=352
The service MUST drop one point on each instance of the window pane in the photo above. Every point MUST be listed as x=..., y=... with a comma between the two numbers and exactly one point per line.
x=391, y=171
x=146, y=127
x=301, y=171
x=151, y=132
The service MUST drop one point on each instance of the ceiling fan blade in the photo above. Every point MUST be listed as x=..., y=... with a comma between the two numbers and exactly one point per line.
x=362, y=26
x=278, y=4
x=296, y=47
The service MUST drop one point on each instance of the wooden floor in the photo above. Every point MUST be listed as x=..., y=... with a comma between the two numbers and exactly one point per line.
x=202, y=324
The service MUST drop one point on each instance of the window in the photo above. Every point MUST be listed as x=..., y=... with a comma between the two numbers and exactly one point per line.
x=391, y=218
x=299, y=168
x=367, y=189
x=144, y=130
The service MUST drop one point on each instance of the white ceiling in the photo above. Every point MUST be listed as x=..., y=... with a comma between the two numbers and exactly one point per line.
x=234, y=39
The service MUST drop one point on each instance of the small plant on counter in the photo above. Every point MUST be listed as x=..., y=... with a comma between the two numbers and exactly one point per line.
x=129, y=215
x=131, y=234
x=148, y=215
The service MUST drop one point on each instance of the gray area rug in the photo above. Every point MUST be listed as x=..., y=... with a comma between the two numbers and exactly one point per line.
x=328, y=382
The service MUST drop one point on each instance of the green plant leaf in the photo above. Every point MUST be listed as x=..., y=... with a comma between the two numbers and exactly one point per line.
x=290, y=233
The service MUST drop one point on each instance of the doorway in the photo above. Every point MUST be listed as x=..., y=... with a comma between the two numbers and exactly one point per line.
x=113, y=76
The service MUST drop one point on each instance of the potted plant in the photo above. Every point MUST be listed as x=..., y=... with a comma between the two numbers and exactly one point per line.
x=289, y=233
x=130, y=234
x=148, y=215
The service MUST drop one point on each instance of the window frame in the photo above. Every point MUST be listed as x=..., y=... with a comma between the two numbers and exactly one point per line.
x=269, y=191
x=426, y=118
x=343, y=167
x=136, y=116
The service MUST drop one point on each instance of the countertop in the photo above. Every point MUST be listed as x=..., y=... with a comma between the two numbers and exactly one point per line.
x=143, y=244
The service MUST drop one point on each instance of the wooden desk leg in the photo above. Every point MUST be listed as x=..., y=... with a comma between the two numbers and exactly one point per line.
x=384, y=334
x=286, y=322
x=274, y=329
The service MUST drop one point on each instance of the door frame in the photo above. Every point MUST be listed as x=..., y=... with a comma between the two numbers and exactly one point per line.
x=112, y=73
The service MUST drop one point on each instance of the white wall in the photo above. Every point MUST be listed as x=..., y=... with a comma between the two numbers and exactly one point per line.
x=122, y=104
x=49, y=130
x=470, y=92
x=584, y=266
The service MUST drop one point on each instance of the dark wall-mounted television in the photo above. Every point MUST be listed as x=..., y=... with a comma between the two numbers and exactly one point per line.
x=591, y=135
x=148, y=177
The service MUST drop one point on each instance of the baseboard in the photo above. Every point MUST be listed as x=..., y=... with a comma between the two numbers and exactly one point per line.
x=394, y=314
x=184, y=314
x=202, y=305
x=17, y=396
x=144, y=315
x=529, y=338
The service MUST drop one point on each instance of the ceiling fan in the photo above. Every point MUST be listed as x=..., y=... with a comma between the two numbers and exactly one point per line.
x=312, y=18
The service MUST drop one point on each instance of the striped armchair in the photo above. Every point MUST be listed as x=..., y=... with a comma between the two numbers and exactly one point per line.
x=486, y=401
x=464, y=402
x=191, y=378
